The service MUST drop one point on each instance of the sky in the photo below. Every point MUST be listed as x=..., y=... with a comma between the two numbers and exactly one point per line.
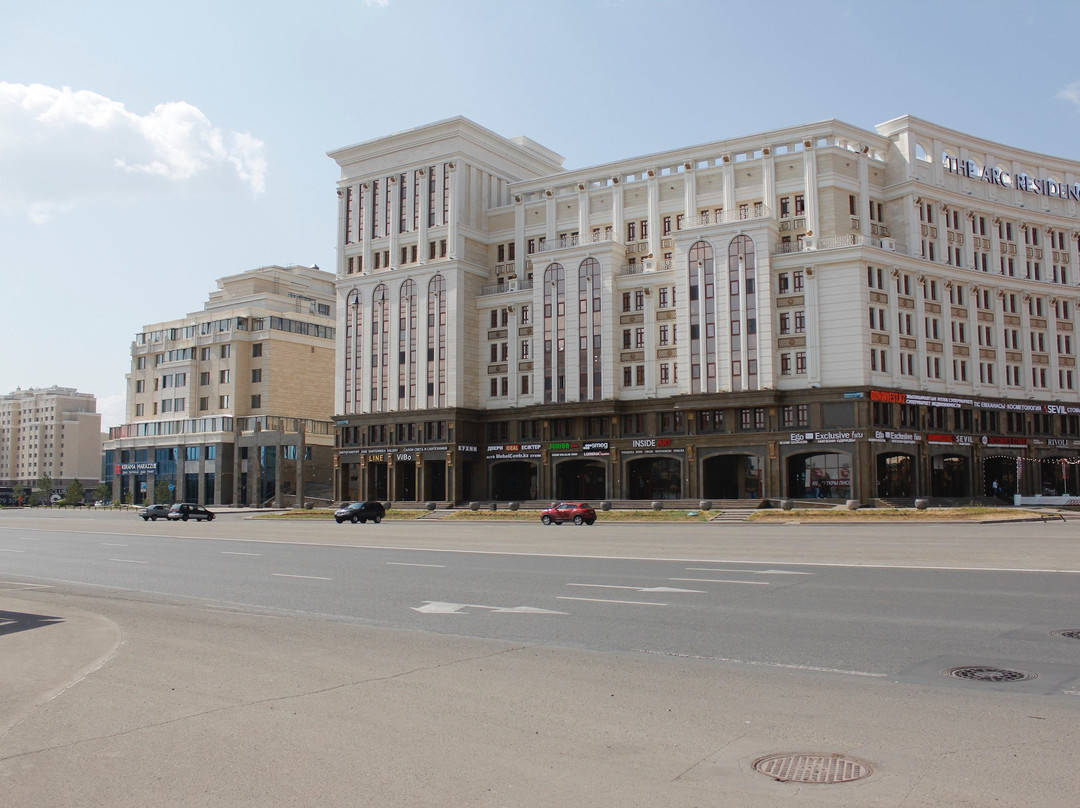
x=148, y=149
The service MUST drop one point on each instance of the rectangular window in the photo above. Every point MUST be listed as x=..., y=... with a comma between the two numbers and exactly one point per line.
x=223, y=402
x=223, y=376
x=226, y=351
x=256, y=375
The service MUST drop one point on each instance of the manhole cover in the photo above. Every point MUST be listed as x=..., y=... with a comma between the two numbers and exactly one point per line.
x=1070, y=633
x=981, y=673
x=813, y=768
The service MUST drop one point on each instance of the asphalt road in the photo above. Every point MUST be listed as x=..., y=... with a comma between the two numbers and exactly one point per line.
x=719, y=644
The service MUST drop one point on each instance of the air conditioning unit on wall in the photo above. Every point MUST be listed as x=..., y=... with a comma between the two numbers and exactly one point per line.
x=512, y=285
x=888, y=244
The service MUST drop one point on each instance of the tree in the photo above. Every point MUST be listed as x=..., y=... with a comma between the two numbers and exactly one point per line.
x=103, y=493
x=74, y=492
x=44, y=487
x=161, y=491
x=19, y=492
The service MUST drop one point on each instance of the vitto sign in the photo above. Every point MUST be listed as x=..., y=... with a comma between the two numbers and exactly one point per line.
x=1021, y=182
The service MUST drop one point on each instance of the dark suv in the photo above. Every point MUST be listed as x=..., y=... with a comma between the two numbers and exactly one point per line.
x=361, y=512
x=580, y=513
x=188, y=510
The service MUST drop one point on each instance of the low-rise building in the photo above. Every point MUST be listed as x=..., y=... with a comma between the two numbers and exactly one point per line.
x=232, y=404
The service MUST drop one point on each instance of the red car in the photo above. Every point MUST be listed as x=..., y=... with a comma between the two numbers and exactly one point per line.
x=580, y=513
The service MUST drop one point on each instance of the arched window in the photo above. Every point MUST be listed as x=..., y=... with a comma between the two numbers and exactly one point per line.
x=590, y=340
x=354, y=315
x=921, y=153
x=702, y=303
x=742, y=291
x=554, y=333
x=436, y=342
x=380, y=348
x=407, y=327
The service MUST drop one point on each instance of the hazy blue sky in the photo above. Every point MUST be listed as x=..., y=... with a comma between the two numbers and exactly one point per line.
x=147, y=148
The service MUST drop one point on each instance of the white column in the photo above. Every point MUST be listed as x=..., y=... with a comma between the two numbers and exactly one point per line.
x=813, y=328
x=367, y=200
x=452, y=214
x=653, y=186
x=810, y=190
x=396, y=192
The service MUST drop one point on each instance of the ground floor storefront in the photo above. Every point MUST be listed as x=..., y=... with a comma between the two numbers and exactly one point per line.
x=826, y=445
x=273, y=463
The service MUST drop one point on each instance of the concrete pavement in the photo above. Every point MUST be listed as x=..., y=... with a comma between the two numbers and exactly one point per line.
x=134, y=700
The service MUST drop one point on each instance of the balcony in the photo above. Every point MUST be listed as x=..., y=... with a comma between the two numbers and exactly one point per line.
x=512, y=285
x=726, y=217
x=569, y=242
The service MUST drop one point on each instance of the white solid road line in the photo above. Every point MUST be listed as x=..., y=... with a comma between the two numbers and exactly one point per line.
x=407, y=564
x=308, y=577
x=107, y=544
x=758, y=663
x=128, y=561
x=6, y=550
x=231, y=552
x=719, y=581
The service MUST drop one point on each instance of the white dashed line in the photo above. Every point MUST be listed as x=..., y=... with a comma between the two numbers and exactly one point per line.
x=626, y=602
x=6, y=550
x=405, y=564
x=719, y=581
x=230, y=552
x=308, y=577
x=106, y=544
x=128, y=561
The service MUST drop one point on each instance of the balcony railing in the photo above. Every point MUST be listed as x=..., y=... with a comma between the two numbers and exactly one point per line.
x=567, y=242
x=727, y=217
x=506, y=286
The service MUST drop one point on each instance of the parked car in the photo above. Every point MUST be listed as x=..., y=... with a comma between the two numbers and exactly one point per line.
x=361, y=512
x=580, y=513
x=151, y=513
x=189, y=510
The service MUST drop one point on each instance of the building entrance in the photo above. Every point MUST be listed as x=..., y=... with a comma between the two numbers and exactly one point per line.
x=731, y=477
x=654, y=478
x=825, y=475
x=581, y=480
x=514, y=480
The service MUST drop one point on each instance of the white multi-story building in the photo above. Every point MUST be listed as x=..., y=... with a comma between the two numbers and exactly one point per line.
x=231, y=404
x=822, y=310
x=50, y=432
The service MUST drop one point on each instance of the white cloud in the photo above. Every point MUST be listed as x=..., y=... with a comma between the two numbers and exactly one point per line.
x=1070, y=93
x=62, y=148
x=378, y=3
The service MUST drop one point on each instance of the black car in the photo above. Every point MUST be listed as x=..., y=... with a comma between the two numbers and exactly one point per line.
x=188, y=510
x=154, y=512
x=361, y=512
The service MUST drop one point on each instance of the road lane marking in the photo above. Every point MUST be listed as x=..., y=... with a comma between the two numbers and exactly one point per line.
x=752, y=572
x=625, y=602
x=758, y=663
x=232, y=552
x=720, y=581
x=308, y=577
x=128, y=561
x=644, y=588
x=441, y=607
x=28, y=586
x=24, y=538
x=107, y=544
x=406, y=564
x=7, y=550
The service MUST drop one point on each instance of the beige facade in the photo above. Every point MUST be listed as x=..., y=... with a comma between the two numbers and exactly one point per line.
x=818, y=309
x=252, y=370
x=54, y=432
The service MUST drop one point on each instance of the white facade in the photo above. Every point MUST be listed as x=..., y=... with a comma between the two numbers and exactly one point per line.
x=741, y=273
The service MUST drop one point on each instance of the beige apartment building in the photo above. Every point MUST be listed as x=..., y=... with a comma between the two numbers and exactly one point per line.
x=231, y=404
x=817, y=311
x=49, y=431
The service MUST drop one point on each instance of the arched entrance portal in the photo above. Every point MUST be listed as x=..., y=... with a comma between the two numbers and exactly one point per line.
x=1057, y=476
x=731, y=477
x=580, y=479
x=895, y=475
x=514, y=479
x=653, y=478
x=825, y=475
x=950, y=476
